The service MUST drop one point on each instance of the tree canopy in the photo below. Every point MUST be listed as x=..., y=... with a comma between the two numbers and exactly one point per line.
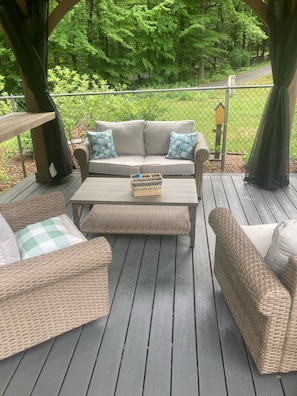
x=148, y=42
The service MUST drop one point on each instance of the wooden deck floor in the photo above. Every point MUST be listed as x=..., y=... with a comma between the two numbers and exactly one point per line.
x=169, y=331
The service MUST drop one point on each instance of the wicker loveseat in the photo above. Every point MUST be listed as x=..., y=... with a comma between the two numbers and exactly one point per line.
x=140, y=143
x=44, y=296
x=263, y=306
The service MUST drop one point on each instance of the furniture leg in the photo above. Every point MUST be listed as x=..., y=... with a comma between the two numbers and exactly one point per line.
x=192, y=212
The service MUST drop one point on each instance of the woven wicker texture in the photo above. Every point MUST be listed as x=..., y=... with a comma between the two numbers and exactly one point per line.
x=201, y=154
x=142, y=219
x=147, y=184
x=259, y=302
x=52, y=293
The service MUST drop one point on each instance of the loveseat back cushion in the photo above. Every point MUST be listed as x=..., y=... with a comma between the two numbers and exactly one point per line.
x=127, y=135
x=157, y=134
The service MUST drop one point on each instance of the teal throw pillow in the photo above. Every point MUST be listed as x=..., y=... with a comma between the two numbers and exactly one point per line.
x=44, y=237
x=102, y=144
x=182, y=145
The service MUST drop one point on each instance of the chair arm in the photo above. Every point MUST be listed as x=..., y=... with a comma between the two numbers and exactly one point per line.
x=289, y=279
x=82, y=154
x=28, y=211
x=201, y=154
x=45, y=269
x=259, y=302
x=238, y=263
x=201, y=150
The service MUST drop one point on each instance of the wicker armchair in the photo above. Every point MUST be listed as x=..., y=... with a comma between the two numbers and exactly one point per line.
x=263, y=306
x=45, y=296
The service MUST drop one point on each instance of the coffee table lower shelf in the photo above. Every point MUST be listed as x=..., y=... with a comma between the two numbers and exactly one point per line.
x=138, y=219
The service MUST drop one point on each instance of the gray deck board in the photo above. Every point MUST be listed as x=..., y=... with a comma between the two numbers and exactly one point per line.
x=158, y=376
x=169, y=331
x=184, y=357
x=56, y=365
x=132, y=374
x=107, y=366
x=210, y=360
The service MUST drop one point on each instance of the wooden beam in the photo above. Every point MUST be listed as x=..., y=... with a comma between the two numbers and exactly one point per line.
x=14, y=124
x=59, y=12
x=259, y=7
x=293, y=6
x=23, y=6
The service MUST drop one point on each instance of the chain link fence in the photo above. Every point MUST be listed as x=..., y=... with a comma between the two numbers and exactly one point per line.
x=228, y=116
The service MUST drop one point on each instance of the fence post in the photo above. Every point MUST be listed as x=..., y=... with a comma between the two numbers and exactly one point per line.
x=227, y=98
x=220, y=110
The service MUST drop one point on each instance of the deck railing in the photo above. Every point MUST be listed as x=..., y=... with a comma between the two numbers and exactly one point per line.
x=240, y=106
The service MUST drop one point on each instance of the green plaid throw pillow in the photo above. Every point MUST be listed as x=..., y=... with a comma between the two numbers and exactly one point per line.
x=44, y=237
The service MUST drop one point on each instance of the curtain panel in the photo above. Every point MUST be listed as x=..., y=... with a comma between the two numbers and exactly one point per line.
x=268, y=165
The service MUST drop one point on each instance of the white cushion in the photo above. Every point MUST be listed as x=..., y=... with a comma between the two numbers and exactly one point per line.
x=44, y=237
x=157, y=134
x=284, y=245
x=261, y=236
x=119, y=166
x=127, y=135
x=70, y=227
x=9, y=251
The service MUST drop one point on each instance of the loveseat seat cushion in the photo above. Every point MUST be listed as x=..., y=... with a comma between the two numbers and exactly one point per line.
x=157, y=134
x=169, y=167
x=119, y=166
x=127, y=135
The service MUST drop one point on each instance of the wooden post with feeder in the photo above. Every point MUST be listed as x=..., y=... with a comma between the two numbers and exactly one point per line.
x=219, y=119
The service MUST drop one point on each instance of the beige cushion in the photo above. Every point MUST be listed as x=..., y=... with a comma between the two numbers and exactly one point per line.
x=284, y=245
x=169, y=167
x=157, y=134
x=9, y=251
x=127, y=135
x=71, y=228
x=119, y=166
x=260, y=235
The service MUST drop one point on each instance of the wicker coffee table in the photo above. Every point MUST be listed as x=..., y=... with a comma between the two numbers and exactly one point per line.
x=114, y=209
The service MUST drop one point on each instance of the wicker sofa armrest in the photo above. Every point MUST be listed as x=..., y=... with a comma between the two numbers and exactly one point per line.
x=42, y=270
x=82, y=154
x=258, y=300
x=240, y=261
x=201, y=154
x=289, y=357
x=21, y=213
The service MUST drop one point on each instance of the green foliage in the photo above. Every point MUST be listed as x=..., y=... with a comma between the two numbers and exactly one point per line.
x=11, y=147
x=5, y=105
x=81, y=111
x=147, y=43
x=239, y=58
x=141, y=43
